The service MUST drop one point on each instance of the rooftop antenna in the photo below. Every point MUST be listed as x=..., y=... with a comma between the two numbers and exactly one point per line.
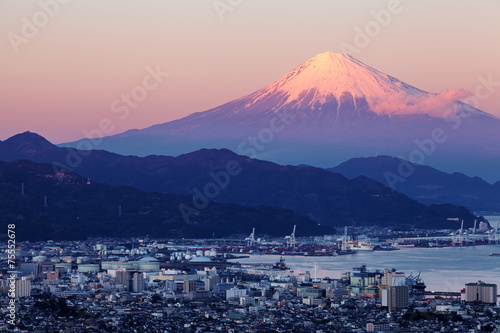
x=22, y=189
x=45, y=201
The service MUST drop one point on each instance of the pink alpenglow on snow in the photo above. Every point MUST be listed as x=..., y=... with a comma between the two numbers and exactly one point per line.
x=328, y=76
x=331, y=108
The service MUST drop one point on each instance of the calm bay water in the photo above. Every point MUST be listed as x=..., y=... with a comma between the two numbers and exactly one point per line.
x=442, y=269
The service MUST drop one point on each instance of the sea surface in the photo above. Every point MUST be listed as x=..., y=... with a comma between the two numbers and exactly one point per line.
x=442, y=269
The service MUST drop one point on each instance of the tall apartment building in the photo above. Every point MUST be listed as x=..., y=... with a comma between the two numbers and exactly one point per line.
x=23, y=287
x=210, y=282
x=189, y=286
x=481, y=292
x=137, y=282
x=122, y=277
x=395, y=297
x=393, y=278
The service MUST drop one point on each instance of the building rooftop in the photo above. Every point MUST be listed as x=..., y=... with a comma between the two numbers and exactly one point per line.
x=201, y=259
x=148, y=259
x=481, y=283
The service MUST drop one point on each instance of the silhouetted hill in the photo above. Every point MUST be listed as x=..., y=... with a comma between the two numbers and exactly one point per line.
x=424, y=183
x=325, y=197
x=76, y=210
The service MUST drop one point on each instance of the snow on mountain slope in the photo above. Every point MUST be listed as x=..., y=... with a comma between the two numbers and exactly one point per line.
x=326, y=110
x=336, y=88
x=330, y=74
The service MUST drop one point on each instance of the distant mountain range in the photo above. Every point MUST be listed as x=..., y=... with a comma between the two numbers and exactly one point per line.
x=65, y=206
x=325, y=111
x=424, y=183
x=225, y=177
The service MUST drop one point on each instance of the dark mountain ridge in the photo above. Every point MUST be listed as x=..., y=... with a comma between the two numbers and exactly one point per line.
x=76, y=209
x=225, y=177
x=424, y=183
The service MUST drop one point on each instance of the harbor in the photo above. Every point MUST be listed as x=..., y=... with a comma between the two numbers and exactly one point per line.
x=443, y=269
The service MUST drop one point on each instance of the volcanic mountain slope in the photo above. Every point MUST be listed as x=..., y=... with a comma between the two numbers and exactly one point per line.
x=325, y=111
x=336, y=88
x=423, y=183
x=77, y=210
x=223, y=176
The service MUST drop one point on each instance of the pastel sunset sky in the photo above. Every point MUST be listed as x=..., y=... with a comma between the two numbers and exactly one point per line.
x=63, y=78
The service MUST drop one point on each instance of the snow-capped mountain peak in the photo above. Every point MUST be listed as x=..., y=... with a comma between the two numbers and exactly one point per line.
x=336, y=73
x=326, y=110
x=327, y=77
x=346, y=87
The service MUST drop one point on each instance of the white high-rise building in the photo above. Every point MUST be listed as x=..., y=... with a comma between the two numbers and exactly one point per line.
x=78, y=278
x=210, y=282
x=23, y=287
x=393, y=278
x=235, y=293
x=138, y=282
x=481, y=292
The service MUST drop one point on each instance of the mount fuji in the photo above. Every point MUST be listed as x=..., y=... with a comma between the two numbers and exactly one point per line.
x=331, y=108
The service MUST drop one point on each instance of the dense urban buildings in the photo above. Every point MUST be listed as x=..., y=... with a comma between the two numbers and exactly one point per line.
x=139, y=285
